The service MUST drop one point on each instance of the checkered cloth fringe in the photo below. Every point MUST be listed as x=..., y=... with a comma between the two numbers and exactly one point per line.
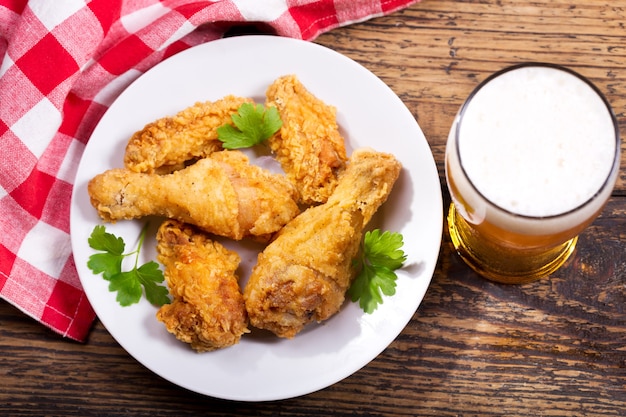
x=62, y=63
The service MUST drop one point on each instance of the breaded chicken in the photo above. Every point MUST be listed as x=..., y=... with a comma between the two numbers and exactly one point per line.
x=303, y=275
x=222, y=194
x=309, y=145
x=207, y=310
x=169, y=142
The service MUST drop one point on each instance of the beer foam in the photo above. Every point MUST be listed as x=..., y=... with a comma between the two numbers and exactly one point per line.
x=537, y=141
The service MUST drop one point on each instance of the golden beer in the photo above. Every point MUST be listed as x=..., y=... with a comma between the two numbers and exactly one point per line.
x=531, y=160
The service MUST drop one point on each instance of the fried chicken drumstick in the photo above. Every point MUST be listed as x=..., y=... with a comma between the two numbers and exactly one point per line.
x=222, y=194
x=207, y=310
x=169, y=142
x=303, y=275
x=308, y=146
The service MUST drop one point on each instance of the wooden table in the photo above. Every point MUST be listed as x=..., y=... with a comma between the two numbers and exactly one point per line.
x=556, y=347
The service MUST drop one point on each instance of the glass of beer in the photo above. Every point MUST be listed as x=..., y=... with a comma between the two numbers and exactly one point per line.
x=531, y=160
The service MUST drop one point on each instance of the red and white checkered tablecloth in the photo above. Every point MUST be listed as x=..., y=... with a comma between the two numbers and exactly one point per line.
x=62, y=63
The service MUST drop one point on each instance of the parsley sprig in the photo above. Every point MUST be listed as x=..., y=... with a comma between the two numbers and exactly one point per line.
x=128, y=284
x=253, y=124
x=381, y=255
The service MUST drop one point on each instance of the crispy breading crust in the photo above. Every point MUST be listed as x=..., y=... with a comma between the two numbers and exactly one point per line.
x=169, y=142
x=207, y=310
x=222, y=194
x=303, y=275
x=309, y=145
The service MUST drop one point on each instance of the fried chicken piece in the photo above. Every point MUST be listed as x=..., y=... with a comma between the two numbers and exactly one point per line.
x=207, y=310
x=303, y=275
x=308, y=146
x=166, y=144
x=222, y=194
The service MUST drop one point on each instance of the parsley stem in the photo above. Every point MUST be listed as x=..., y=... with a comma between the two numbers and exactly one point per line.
x=142, y=237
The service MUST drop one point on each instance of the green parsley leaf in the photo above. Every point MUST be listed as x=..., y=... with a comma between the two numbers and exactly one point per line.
x=110, y=262
x=106, y=263
x=101, y=240
x=384, y=249
x=128, y=287
x=150, y=275
x=381, y=255
x=253, y=124
x=127, y=284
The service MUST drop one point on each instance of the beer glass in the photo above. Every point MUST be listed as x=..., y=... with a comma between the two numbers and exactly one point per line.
x=531, y=160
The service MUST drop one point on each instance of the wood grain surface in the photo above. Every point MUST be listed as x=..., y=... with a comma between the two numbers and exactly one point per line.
x=556, y=347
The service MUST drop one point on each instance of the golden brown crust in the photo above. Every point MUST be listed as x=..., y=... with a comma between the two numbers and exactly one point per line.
x=303, y=275
x=309, y=145
x=222, y=194
x=207, y=310
x=167, y=143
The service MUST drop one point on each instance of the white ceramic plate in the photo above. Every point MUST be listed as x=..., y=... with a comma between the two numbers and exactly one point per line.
x=262, y=367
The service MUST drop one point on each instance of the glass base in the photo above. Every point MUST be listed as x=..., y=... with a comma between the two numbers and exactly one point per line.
x=501, y=264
